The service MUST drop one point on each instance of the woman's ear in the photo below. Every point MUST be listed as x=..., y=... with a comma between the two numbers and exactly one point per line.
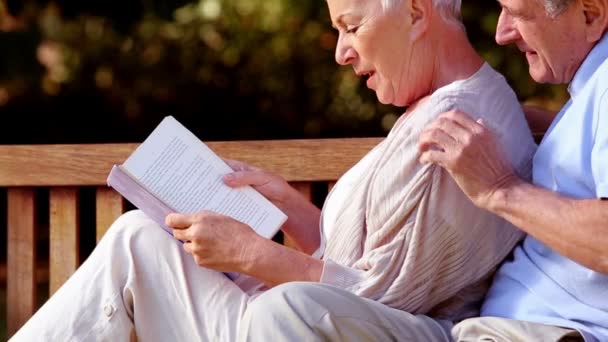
x=596, y=18
x=419, y=16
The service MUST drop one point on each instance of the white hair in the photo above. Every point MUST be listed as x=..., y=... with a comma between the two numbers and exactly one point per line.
x=553, y=7
x=449, y=10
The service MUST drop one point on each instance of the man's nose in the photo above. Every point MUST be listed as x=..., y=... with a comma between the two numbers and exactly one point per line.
x=506, y=32
x=345, y=53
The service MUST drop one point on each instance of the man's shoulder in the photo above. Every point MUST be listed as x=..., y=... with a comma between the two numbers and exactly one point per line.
x=599, y=84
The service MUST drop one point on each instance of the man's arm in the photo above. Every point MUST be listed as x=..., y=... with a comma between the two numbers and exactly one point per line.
x=578, y=229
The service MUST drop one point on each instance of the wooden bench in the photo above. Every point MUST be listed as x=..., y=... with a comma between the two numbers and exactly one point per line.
x=57, y=176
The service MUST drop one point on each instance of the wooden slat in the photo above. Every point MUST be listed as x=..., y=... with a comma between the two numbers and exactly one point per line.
x=64, y=232
x=305, y=188
x=109, y=206
x=21, y=278
x=330, y=186
x=74, y=165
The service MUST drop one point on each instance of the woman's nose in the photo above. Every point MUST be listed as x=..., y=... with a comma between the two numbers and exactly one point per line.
x=345, y=53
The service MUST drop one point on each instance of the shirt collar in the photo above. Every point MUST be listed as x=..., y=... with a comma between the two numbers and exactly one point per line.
x=590, y=64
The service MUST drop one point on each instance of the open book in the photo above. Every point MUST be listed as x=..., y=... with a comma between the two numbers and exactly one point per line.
x=173, y=171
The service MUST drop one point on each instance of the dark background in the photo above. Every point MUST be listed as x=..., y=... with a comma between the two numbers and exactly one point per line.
x=100, y=71
x=107, y=71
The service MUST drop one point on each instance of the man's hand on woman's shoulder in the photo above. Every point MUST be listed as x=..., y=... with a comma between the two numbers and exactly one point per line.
x=470, y=152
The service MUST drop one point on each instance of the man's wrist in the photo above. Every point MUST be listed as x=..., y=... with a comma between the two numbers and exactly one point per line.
x=504, y=194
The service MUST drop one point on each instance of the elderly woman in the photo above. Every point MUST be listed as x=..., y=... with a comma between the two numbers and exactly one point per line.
x=393, y=234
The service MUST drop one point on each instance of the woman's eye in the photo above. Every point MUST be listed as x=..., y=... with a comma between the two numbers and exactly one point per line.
x=352, y=29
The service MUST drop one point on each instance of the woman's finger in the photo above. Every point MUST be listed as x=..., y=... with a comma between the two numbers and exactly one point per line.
x=237, y=165
x=242, y=178
x=181, y=234
x=178, y=221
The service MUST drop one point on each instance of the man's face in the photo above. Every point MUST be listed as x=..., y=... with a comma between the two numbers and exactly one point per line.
x=554, y=46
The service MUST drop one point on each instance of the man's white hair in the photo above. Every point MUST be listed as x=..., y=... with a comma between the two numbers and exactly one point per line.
x=553, y=7
x=448, y=9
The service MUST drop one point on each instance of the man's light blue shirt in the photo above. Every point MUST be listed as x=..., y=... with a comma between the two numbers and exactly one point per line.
x=540, y=285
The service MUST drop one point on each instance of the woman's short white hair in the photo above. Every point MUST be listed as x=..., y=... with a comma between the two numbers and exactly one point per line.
x=448, y=9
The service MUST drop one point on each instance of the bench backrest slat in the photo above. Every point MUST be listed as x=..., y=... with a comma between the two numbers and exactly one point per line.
x=21, y=263
x=109, y=205
x=88, y=165
x=64, y=228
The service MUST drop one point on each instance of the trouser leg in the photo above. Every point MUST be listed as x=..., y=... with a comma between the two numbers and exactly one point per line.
x=139, y=281
x=496, y=329
x=317, y=312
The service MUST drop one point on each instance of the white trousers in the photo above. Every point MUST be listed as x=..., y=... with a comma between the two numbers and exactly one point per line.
x=140, y=283
x=318, y=312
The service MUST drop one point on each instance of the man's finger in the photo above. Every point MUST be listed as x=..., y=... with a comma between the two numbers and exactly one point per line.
x=463, y=119
x=452, y=128
x=433, y=157
x=435, y=139
x=178, y=221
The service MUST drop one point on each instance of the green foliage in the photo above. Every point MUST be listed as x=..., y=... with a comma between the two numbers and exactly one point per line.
x=230, y=69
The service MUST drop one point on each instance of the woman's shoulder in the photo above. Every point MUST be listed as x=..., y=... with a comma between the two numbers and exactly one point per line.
x=486, y=94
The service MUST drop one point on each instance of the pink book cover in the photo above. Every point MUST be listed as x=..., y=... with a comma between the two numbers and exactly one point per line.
x=130, y=189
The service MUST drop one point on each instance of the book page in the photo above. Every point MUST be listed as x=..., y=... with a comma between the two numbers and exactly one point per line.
x=180, y=170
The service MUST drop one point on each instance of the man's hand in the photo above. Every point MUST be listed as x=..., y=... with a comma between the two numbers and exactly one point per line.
x=215, y=241
x=469, y=151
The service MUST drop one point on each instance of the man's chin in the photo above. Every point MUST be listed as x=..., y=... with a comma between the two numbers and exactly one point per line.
x=542, y=76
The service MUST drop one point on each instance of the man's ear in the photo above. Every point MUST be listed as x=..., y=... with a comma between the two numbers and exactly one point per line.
x=596, y=18
x=420, y=14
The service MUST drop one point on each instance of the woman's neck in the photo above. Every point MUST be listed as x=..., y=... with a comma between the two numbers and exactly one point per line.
x=454, y=57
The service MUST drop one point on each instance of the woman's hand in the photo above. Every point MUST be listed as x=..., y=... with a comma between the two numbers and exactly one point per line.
x=272, y=186
x=223, y=244
x=215, y=241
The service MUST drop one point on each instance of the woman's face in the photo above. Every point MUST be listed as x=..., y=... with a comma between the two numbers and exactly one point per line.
x=378, y=44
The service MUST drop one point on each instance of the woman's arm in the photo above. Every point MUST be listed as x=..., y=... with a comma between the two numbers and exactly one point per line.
x=221, y=243
x=275, y=264
x=302, y=225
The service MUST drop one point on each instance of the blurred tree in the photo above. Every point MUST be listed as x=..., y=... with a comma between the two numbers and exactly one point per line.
x=98, y=71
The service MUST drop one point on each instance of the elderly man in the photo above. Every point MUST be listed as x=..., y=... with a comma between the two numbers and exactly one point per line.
x=556, y=286
x=559, y=275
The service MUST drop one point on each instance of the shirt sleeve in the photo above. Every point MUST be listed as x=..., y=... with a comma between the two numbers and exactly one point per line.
x=599, y=153
x=341, y=276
